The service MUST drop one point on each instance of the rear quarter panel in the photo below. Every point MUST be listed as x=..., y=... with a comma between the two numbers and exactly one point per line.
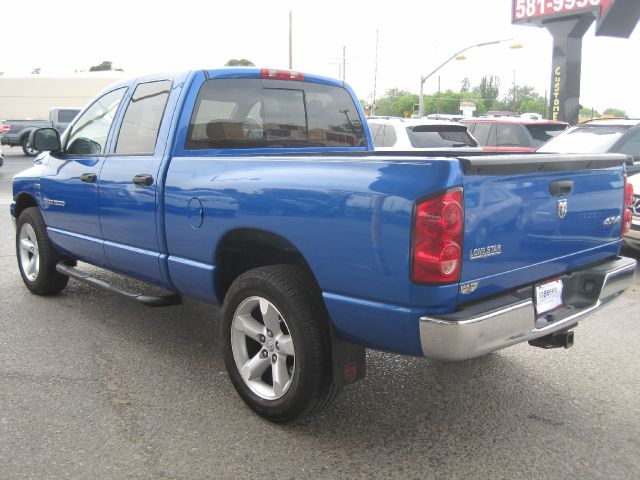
x=350, y=219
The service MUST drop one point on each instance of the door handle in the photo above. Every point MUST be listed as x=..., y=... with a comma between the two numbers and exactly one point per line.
x=88, y=178
x=561, y=187
x=143, y=180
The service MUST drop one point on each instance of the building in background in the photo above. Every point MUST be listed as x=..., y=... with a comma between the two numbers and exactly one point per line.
x=32, y=96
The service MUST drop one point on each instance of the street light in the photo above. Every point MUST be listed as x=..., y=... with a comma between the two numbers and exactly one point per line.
x=456, y=56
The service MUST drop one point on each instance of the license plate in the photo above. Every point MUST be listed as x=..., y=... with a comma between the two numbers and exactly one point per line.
x=548, y=296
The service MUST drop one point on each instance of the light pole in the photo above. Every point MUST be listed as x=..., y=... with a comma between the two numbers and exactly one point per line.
x=424, y=79
x=514, y=93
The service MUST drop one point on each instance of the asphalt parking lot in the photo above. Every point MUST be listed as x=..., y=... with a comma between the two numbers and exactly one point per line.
x=93, y=386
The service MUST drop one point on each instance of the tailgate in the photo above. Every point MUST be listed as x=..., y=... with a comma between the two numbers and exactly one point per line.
x=530, y=217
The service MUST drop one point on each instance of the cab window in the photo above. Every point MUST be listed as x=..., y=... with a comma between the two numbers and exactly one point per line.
x=251, y=113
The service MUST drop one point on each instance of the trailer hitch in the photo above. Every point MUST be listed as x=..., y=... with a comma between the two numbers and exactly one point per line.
x=563, y=338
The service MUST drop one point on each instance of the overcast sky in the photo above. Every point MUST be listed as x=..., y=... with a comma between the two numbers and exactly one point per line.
x=414, y=38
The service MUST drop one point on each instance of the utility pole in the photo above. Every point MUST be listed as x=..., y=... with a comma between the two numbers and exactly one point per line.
x=375, y=78
x=514, y=92
x=290, y=40
x=546, y=102
x=344, y=63
x=438, y=97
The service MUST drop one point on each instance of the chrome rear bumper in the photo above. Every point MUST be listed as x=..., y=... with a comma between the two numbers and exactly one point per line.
x=498, y=323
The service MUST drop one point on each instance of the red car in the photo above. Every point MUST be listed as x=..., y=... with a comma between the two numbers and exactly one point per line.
x=512, y=134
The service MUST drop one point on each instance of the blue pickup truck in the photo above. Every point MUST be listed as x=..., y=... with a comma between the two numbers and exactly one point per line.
x=259, y=190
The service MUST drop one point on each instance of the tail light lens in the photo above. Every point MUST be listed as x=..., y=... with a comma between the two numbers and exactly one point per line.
x=628, y=205
x=437, y=239
x=5, y=128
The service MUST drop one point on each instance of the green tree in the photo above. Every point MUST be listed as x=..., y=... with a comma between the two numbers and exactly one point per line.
x=243, y=62
x=396, y=102
x=488, y=90
x=589, y=112
x=527, y=100
x=615, y=112
x=105, y=66
x=445, y=102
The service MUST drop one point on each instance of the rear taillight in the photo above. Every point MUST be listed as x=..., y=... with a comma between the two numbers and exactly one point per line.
x=438, y=229
x=628, y=205
x=281, y=74
x=5, y=128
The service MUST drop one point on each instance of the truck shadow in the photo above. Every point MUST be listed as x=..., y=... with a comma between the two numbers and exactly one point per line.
x=512, y=400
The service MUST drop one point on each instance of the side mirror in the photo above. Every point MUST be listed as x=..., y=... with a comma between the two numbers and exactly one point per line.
x=45, y=139
x=84, y=146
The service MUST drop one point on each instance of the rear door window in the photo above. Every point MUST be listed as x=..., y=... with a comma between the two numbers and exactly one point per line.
x=512, y=135
x=470, y=126
x=251, y=113
x=481, y=132
x=141, y=122
x=542, y=133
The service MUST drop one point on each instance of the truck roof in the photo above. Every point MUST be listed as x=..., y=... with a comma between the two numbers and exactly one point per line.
x=236, y=72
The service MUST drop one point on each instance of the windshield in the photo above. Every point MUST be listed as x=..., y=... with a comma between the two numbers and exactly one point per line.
x=542, y=133
x=440, y=136
x=585, y=139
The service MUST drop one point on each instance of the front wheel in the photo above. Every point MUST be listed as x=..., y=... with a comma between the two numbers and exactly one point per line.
x=36, y=256
x=277, y=343
x=28, y=150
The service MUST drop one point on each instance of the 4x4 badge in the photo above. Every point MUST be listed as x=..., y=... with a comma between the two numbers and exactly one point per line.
x=562, y=208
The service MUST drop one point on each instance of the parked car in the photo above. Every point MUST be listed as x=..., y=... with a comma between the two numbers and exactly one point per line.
x=611, y=135
x=392, y=133
x=15, y=133
x=512, y=134
x=259, y=189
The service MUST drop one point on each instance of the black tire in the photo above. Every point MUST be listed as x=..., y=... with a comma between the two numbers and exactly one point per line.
x=44, y=279
x=27, y=149
x=302, y=314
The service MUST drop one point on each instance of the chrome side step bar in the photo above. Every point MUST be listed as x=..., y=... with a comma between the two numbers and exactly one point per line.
x=148, y=300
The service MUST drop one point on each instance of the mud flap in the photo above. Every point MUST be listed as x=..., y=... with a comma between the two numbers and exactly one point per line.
x=349, y=361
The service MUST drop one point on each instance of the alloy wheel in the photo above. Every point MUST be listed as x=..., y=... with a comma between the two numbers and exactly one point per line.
x=29, y=255
x=262, y=348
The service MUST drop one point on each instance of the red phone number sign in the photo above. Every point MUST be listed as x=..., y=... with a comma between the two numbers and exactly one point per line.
x=528, y=10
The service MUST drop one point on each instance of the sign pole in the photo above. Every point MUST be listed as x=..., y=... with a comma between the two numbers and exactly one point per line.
x=567, y=59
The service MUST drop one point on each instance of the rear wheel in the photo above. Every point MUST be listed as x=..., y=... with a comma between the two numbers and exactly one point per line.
x=277, y=343
x=36, y=256
x=28, y=150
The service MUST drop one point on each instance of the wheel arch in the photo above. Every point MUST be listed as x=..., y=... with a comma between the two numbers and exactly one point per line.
x=243, y=249
x=24, y=135
x=24, y=200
